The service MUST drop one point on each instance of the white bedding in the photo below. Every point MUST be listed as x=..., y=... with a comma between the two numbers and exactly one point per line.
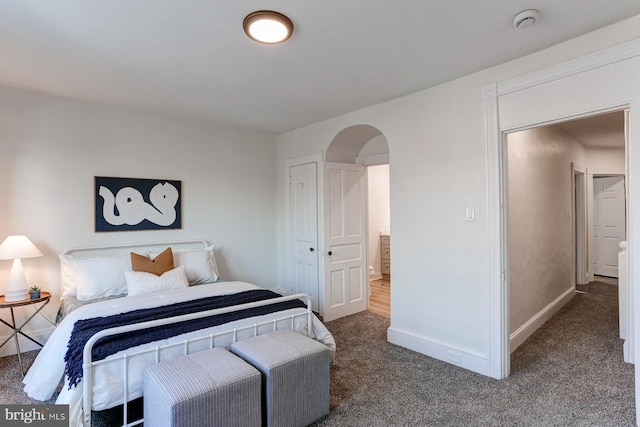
x=48, y=369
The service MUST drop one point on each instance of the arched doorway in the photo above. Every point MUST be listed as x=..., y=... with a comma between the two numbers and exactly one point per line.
x=356, y=220
x=325, y=259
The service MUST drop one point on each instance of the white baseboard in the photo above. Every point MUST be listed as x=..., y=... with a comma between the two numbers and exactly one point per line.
x=466, y=359
x=41, y=335
x=523, y=332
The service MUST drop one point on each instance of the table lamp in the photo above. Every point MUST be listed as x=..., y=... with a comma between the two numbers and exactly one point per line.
x=16, y=248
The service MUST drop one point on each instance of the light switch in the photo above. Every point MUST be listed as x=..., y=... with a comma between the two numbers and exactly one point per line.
x=471, y=214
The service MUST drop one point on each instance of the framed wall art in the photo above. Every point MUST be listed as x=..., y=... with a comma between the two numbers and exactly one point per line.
x=123, y=204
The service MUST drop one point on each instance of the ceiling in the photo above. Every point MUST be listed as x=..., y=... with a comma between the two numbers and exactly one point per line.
x=604, y=130
x=192, y=58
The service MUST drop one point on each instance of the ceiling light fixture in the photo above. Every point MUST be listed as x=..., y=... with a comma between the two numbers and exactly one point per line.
x=525, y=19
x=267, y=26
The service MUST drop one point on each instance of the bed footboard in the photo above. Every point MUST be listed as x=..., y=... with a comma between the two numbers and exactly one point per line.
x=205, y=341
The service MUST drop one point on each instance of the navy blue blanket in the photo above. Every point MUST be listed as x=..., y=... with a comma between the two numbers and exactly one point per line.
x=83, y=330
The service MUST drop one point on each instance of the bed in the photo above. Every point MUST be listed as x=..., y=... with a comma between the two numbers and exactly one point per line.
x=99, y=288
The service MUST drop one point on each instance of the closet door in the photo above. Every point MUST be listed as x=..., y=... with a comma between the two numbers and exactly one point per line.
x=303, y=194
x=608, y=223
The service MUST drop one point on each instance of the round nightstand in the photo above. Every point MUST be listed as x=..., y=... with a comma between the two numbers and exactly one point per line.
x=44, y=299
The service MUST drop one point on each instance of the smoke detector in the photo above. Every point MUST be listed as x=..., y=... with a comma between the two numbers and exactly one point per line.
x=525, y=18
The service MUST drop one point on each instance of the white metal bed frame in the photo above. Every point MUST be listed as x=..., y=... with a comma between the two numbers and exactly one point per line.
x=199, y=244
x=88, y=364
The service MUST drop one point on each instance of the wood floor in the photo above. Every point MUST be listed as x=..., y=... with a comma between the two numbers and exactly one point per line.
x=379, y=300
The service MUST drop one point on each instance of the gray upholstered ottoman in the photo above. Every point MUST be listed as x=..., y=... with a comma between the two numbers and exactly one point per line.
x=295, y=376
x=209, y=388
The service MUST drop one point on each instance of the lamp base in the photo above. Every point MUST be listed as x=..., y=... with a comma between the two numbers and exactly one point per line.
x=16, y=289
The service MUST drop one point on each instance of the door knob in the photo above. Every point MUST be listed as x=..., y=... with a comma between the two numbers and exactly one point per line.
x=330, y=253
x=311, y=249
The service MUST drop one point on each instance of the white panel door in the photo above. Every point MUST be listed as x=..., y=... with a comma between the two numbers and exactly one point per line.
x=304, y=223
x=608, y=223
x=346, y=287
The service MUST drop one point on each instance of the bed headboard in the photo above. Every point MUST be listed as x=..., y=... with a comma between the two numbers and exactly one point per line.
x=128, y=247
x=100, y=271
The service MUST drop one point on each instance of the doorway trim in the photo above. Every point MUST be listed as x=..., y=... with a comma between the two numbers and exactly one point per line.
x=580, y=234
x=495, y=131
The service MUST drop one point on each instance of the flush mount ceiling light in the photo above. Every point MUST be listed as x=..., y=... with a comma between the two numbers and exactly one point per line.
x=525, y=19
x=267, y=26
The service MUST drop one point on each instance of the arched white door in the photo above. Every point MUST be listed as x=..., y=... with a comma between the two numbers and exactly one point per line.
x=345, y=266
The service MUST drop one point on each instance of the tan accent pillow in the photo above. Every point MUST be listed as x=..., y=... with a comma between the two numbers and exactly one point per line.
x=158, y=266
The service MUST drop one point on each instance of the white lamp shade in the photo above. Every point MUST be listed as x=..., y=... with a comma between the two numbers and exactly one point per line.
x=16, y=247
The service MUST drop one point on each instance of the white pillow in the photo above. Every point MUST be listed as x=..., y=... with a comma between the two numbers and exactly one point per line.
x=93, y=277
x=67, y=276
x=199, y=264
x=139, y=282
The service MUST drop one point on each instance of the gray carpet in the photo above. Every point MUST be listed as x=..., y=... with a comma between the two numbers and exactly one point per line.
x=11, y=380
x=569, y=373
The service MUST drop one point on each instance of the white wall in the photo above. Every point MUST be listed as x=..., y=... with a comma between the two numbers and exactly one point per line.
x=605, y=159
x=376, y=146
x=539, y=224
x=438, y=165
x=51, y=148
x=378, y=212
